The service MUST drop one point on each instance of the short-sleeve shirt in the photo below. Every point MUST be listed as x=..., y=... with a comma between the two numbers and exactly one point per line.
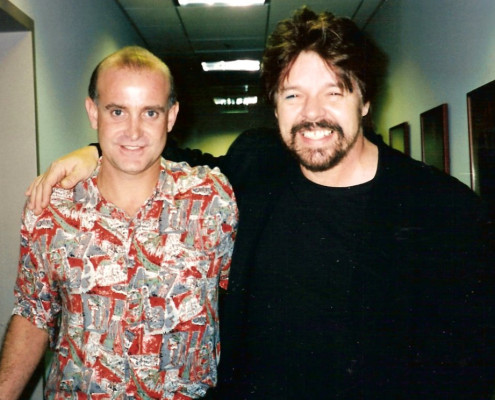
x=130, y=304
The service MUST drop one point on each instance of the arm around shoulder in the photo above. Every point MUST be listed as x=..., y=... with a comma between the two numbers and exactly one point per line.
x=66, y=171
x=23, y=347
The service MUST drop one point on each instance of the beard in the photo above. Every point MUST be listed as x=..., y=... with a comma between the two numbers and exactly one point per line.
x=319, y=159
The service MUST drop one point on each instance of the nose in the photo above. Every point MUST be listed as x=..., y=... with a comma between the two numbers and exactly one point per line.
x=135, y=128
x=313, y=108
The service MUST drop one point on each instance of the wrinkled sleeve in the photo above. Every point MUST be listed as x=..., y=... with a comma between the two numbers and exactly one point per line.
x=36, y=297
x=229, y=215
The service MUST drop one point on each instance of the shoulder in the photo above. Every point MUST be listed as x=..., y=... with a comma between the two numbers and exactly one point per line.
x=256, y=154
x=60, y=199
x=198, y=178
x=423, y=187
x=206, y=191
x=182, y=171
x=256, y=142
x=396, y=165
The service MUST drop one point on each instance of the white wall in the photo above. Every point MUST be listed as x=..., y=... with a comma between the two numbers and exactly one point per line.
x=71, y=37
x=439, y=51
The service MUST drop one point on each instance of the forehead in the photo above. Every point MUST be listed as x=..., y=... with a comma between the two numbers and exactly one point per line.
x=309, y=67
x=114, y=79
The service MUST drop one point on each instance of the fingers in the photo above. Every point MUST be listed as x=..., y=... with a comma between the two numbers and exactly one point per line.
x=67, y=171
x=39, y=196
x=33, y=192
x=32, y=186
x=40, y=190
x=71, y=179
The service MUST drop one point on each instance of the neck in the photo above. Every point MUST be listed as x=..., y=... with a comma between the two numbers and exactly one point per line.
x=127, y=191
x=359, y=166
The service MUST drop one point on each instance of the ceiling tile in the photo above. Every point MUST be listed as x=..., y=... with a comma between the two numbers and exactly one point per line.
x=229, y=44
x=221, y=22
x=366, y=11
x=146, y=3
x=166, y=39
x=281, y=9
x=153, y=16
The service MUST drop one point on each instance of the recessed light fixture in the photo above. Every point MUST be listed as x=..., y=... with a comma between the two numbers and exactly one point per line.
x=230, y=3
x=237, y=65
x=235, y=101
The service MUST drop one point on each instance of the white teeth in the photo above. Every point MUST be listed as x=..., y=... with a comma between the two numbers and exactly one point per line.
x=131, y=147
x=317, y=134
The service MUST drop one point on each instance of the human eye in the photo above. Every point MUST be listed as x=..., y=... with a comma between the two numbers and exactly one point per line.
x=116, y=112
x=290, y=95
x=293, y=95
x=151, y=113
x=154, y=113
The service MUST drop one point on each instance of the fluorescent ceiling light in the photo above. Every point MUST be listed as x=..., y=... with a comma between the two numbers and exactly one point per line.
x=235, y=101
x=222, y=2
x=237, y=65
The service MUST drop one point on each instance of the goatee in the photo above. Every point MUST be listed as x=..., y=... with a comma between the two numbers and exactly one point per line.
x=322, y=158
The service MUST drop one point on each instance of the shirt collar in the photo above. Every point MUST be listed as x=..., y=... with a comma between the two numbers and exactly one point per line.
x=86, y=192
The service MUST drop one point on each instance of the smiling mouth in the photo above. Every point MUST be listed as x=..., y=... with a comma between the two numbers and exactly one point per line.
x=317, y=130
x=316, y=134
x=132, y=147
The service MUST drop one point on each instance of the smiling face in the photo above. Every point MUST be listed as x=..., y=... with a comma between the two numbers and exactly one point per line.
x=133, y=117
x=319, y=121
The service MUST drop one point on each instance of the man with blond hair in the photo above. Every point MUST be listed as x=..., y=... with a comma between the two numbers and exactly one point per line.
x=120, y=276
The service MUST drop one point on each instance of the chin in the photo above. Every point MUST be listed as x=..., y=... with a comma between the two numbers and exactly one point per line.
x=318, y=160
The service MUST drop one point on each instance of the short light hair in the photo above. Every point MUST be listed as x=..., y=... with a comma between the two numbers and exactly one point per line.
x=133, y=57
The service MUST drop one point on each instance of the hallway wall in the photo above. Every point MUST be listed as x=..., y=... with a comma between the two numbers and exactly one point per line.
x=439, y=51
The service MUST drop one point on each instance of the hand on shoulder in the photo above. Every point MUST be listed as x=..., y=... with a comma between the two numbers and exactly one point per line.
x=66, y=172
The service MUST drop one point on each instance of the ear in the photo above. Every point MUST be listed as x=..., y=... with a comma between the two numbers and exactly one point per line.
x=172, y=116
x=275, y=106
x=365, y=109
x=92, y=111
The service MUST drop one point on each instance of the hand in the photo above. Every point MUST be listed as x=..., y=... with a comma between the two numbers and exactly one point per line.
x=66, y=171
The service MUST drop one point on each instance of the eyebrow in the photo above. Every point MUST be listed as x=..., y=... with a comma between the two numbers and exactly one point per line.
x=113, y=105
x=298, y=87
x=157, y=107
x=154, y=107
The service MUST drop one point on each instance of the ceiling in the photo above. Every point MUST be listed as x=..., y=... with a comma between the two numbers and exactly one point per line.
x=186, y=36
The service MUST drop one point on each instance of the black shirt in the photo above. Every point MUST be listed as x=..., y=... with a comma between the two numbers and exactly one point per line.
x=302, y=343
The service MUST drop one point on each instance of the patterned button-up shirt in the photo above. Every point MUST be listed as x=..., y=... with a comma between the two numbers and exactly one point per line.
x=130, y=304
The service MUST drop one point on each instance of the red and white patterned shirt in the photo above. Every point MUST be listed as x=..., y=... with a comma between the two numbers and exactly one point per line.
x=130, y=304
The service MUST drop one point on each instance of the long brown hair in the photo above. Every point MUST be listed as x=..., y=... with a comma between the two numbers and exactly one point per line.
x=347, y=50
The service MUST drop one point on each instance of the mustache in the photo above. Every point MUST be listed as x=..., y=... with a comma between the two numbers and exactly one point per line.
x=307, y=126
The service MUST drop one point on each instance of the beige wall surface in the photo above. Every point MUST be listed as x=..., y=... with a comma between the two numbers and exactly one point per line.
x=17, y=152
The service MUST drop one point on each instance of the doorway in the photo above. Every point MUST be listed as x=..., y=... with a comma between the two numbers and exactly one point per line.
x=18, y=155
